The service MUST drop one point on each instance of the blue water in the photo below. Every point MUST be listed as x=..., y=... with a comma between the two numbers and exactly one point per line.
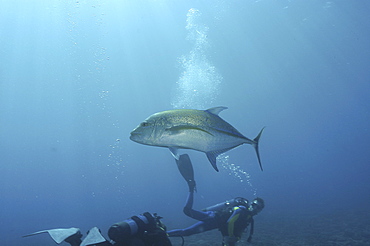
x=77, y=76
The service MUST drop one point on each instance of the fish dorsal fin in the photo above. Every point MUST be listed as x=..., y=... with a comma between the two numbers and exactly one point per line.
x=216, y=110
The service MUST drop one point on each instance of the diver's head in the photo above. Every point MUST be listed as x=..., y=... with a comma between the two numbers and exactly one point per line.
x=257, y=205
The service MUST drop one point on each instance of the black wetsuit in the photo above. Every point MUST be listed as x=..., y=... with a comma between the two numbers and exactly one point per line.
x=231, y=221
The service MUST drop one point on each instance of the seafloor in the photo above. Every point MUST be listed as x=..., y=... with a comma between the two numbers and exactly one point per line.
x=330, y=229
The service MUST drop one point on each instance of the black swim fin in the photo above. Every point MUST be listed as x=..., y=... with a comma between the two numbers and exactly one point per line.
x=186, y=169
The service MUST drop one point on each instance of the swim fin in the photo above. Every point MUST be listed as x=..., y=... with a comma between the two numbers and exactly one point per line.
x=186, y=170
x=73, y=236
x=94, y=237
x=59, y=235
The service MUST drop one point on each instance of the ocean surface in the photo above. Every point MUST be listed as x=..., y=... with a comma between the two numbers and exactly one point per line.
x=76, y=77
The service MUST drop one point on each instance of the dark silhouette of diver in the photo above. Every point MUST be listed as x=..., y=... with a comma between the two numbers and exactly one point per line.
x=231, y=217
x=142, y=230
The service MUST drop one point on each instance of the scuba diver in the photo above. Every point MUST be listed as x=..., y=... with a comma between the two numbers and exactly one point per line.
x=142, y=230
x=231, y=217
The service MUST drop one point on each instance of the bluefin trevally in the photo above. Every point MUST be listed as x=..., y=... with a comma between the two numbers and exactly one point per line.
x=201, y=130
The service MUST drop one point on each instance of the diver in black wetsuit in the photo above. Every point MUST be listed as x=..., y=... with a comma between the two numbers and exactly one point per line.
x=230, y=217
x=142, y=230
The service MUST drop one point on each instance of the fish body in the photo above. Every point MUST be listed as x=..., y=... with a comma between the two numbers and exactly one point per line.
x=201, y=130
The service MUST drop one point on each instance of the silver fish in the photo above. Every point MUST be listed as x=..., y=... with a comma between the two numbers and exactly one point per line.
x=201, y=130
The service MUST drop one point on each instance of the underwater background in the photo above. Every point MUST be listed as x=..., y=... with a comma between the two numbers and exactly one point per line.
x=76, y=77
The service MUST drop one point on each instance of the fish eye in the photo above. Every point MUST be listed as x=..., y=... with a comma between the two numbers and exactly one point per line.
x=144, y=124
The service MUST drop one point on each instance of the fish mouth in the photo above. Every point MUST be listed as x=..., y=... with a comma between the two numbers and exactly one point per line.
x=134, y=136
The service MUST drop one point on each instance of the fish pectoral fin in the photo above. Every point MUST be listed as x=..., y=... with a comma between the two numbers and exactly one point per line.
x=212, y=159
x=174, y=153
x=181, y=128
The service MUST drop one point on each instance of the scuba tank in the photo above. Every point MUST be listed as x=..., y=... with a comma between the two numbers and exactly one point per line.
x=145, y=227
x=237, y=201
x=136, y=225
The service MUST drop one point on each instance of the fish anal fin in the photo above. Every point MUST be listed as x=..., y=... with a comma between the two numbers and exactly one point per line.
x=212, y=156
x=212, y=159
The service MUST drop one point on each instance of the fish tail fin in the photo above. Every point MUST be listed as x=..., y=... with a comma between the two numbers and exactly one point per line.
x=255, y=145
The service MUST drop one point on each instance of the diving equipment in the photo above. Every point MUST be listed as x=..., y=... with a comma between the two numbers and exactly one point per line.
x=238, y=201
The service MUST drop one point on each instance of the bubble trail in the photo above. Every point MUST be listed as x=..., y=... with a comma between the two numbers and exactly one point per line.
x=199, y=83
